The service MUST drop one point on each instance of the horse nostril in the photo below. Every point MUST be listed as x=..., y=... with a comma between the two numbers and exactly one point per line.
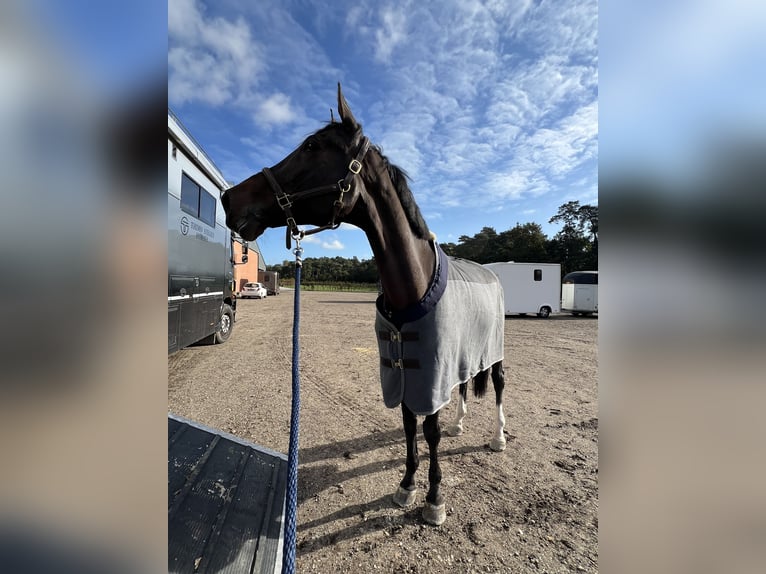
x=225, y=201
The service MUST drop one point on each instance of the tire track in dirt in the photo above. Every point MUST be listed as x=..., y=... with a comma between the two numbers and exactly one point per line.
x=342, y=398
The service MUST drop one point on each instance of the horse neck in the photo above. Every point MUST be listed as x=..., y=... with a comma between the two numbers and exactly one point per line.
x=405, y=262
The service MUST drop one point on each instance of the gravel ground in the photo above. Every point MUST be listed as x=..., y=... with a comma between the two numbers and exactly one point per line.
x=531, y=508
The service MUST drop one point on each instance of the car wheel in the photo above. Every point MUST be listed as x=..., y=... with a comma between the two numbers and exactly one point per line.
x=544, y=313
x=225, y=326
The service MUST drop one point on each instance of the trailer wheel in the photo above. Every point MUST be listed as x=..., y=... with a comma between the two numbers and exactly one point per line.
x=544, y=312
x=227, y=323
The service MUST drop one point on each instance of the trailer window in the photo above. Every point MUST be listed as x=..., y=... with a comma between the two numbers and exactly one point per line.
x=196, y=201
x=538, y=274
x=580, y=278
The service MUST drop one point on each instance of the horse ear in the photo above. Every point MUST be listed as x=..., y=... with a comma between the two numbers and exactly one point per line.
x=345, y=112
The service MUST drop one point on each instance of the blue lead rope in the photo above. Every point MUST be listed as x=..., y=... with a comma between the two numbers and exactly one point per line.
x=291, y=500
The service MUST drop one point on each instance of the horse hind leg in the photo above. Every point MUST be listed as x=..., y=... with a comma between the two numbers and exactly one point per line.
x=497, y=443
x=456, y=428
x=405, y=494
x=434, y=511
x=479, y=389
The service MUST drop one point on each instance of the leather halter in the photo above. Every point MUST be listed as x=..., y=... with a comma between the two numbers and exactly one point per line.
x=343, y=186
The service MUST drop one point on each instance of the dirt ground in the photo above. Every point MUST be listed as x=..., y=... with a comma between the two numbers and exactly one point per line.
x=531, y=508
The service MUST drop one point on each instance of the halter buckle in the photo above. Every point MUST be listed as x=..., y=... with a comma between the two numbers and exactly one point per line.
x=284, y=201
x=355, y=166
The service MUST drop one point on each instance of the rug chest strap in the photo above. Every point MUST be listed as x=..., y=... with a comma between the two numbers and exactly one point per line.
x=397, y=336
x=400, y=363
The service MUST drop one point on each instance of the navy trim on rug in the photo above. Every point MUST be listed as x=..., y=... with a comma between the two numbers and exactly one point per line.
x=429, y=300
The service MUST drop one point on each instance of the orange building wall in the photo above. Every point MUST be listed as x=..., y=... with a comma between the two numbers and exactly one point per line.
x=244, y=272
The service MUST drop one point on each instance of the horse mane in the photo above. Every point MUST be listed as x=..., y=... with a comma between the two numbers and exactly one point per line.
x=399, y=178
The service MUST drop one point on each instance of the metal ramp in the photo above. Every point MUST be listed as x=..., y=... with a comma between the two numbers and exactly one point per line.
x=225, y=502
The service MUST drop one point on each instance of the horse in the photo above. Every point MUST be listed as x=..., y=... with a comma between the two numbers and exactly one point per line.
x=439, y=320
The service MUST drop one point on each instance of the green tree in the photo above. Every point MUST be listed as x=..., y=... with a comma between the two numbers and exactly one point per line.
x=524, y=243
x=576, y=244
x=481, y=247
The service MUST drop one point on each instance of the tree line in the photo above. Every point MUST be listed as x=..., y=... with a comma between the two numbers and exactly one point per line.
x=575, y=247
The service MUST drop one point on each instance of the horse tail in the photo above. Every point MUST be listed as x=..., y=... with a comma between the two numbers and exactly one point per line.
x=480, y=384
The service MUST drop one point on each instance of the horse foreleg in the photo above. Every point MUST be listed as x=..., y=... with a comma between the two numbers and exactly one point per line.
x=405, y=494
x=498, y=381
x=434, y=511
x=456, y=428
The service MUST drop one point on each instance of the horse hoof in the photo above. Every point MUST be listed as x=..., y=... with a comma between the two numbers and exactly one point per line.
x=404, y=497
x=434, y=514
x=454, y=430
x=497, y=444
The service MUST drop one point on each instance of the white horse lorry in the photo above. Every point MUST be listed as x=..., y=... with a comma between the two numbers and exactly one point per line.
x=529, y=287
x=201, y=304
x=579, y=292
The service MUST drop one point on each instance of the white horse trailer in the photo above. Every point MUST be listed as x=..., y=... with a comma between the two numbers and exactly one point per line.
x=579, y=292
x=529, y=287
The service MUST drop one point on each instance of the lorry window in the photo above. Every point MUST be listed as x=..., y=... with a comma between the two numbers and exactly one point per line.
x=206, y=207
x=538, y=274
x=196, y=201
x=189, y=196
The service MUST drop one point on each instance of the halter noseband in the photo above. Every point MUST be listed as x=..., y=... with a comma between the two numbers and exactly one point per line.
x=343, y=186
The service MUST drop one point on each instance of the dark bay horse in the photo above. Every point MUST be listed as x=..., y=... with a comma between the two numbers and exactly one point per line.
x=439, y=321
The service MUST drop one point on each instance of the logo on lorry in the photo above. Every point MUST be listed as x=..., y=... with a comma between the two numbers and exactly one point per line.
x=184, y=225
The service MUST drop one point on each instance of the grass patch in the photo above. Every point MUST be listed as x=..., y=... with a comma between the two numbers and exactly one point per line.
x=334, y=286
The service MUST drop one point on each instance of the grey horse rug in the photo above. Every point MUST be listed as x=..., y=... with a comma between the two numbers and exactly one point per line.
x=452, y=334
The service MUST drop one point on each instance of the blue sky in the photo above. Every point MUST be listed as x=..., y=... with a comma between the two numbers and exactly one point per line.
x=491, y=107
x=492, y=112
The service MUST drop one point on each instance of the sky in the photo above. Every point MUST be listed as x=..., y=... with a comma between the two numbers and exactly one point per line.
x=491, y=107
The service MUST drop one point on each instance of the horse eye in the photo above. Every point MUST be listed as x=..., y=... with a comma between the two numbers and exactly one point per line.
x=310, y=146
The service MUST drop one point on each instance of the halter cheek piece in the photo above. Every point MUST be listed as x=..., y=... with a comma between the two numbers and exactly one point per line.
x=343, y=186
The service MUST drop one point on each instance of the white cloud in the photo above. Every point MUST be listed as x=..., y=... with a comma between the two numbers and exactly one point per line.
x=333, y=245
x=184, y=18
x=210, y=60
x=481, y=102
x=572, y=142
x=391, y=34
x=275, y=109
x=490, y=101
x=515, y=184
x=404, y=144
x=197, y=76
x=548, y=155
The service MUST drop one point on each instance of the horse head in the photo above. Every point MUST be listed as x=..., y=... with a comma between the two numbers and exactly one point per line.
x=318, y=183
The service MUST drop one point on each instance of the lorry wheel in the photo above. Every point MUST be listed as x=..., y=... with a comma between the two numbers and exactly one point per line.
x=544, y=312
x=227, y=323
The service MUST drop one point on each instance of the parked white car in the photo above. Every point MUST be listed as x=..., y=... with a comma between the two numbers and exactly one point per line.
x=256, y=290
